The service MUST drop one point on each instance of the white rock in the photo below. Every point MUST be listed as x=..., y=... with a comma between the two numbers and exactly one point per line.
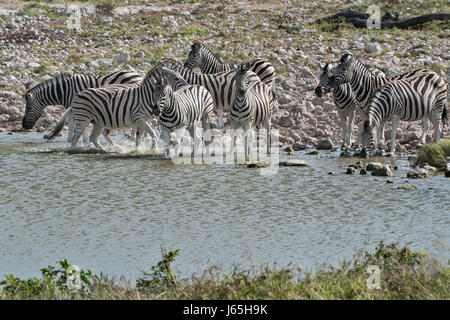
x=372, y=48
x=123, y=57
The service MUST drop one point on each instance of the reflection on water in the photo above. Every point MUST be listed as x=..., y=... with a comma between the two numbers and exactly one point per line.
x=113, y=212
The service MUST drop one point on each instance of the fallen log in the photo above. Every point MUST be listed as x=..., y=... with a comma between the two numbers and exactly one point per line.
x=359, y=19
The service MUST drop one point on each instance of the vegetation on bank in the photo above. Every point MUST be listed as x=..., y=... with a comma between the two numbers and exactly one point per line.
x=404, y=274
x=434, y=154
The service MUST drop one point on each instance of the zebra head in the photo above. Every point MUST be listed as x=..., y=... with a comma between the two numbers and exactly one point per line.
x=174, y=78
x=368, y=138
x=34, y=108
x=160, y=91
x=242, y=79
x=343, y=73
x=323, y=87
x=195, y=57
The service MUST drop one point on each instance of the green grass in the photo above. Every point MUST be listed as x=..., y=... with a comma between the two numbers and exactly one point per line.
x=404, y=274
x=434, y=154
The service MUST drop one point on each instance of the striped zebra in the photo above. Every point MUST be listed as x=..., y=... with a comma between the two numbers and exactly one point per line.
x=220, y=85
x=181, y=110
x=411, y=99
x=252, y=107
x=62, y=89
x=200, y=56
x=117, y=106
x=365, y=84
x=344, y=99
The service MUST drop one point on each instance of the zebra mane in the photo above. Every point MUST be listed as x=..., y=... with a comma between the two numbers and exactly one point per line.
x=346, y=57
x=200, y=46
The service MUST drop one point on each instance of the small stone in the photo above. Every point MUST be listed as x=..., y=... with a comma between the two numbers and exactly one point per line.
x=257, y=165
x=447, y=170
x=123, y=57
x=407, y=187
x=284, y=99
x=389, y=181
x=383, y=171
x=105, y=20
x=312, y=152
x=331, y=173
x=324, y=145
x=293, y=163
x=298, y=146
x=363, y=171
x=350, y=170
x=289, y=149
x=417, y=173
x=372, y=48
x=371, y=166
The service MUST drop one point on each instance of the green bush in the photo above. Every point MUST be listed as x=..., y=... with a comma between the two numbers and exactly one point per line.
x=434, y=154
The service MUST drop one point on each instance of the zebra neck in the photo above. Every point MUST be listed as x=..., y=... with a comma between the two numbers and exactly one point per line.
x=211, y=63
x=170, y=103
x=363, y=82
x=241, y=102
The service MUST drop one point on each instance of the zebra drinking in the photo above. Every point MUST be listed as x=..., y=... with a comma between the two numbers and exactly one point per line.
x=344, y=99
x=252, y=107
x=181, y=110
x=364, y=83
x=408, y=99
x=117, y=106
x=62, y=89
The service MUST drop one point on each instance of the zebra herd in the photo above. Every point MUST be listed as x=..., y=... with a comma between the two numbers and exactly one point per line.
x=420, y=94
x=171, y=91
x=181, y=98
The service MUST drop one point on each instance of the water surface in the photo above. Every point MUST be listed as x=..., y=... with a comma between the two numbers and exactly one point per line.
x=113, y=213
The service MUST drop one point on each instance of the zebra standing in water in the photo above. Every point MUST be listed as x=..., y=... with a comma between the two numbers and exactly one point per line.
x=117, y=106
x=200, y=56
x=344, y=99
x=221, y=85
x=408, y=100
x=364, y=83
x=61, y=90
x=252, y=107
x=180, y=110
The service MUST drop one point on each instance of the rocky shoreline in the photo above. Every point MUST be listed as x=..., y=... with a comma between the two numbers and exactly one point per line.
x=36, y=44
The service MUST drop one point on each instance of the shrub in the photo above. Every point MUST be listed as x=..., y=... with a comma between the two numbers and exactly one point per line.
x=434, y=154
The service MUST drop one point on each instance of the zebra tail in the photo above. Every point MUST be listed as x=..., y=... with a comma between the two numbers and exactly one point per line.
x=444, y=116
x=60, y=125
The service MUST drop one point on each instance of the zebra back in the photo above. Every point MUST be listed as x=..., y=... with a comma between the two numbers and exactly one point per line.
x=61, y=90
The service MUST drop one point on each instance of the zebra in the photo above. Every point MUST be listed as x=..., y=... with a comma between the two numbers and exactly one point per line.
x=252, y=107
x=117, y=106
x=364, y=84
x=220, y=85
x=344, y=100
x=181, y=110
x=408, y=99
x=200, y=56
x=61, y=90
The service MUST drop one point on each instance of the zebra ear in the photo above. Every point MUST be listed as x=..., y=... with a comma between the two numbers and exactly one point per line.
x=321, y=66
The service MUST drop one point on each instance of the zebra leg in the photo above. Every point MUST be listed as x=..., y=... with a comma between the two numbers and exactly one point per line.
x=343, y=125
x=71, y=127
x=435, y=119
x=96, y=131
x=143, y=124
x=106, y=132
x=79, y=128
x=165, y=135
x=380, y=135
x=395, y=121
x=179, y=134
x=85, y=137
x=220, y=122
x=268, y=126
x=423, y=137
x=247, y=139
x=351, y=116
x=360, y=129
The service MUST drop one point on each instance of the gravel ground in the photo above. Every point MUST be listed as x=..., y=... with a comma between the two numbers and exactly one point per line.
x=36, y=44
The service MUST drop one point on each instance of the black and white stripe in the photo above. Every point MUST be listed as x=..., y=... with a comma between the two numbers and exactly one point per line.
x=252, y=107
x=221, y=85
x=200, y=56
x=344, y=99
x=61, y=90
x=364, y=84
x=411, y=99
x=181, y=110
x=116, y=106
